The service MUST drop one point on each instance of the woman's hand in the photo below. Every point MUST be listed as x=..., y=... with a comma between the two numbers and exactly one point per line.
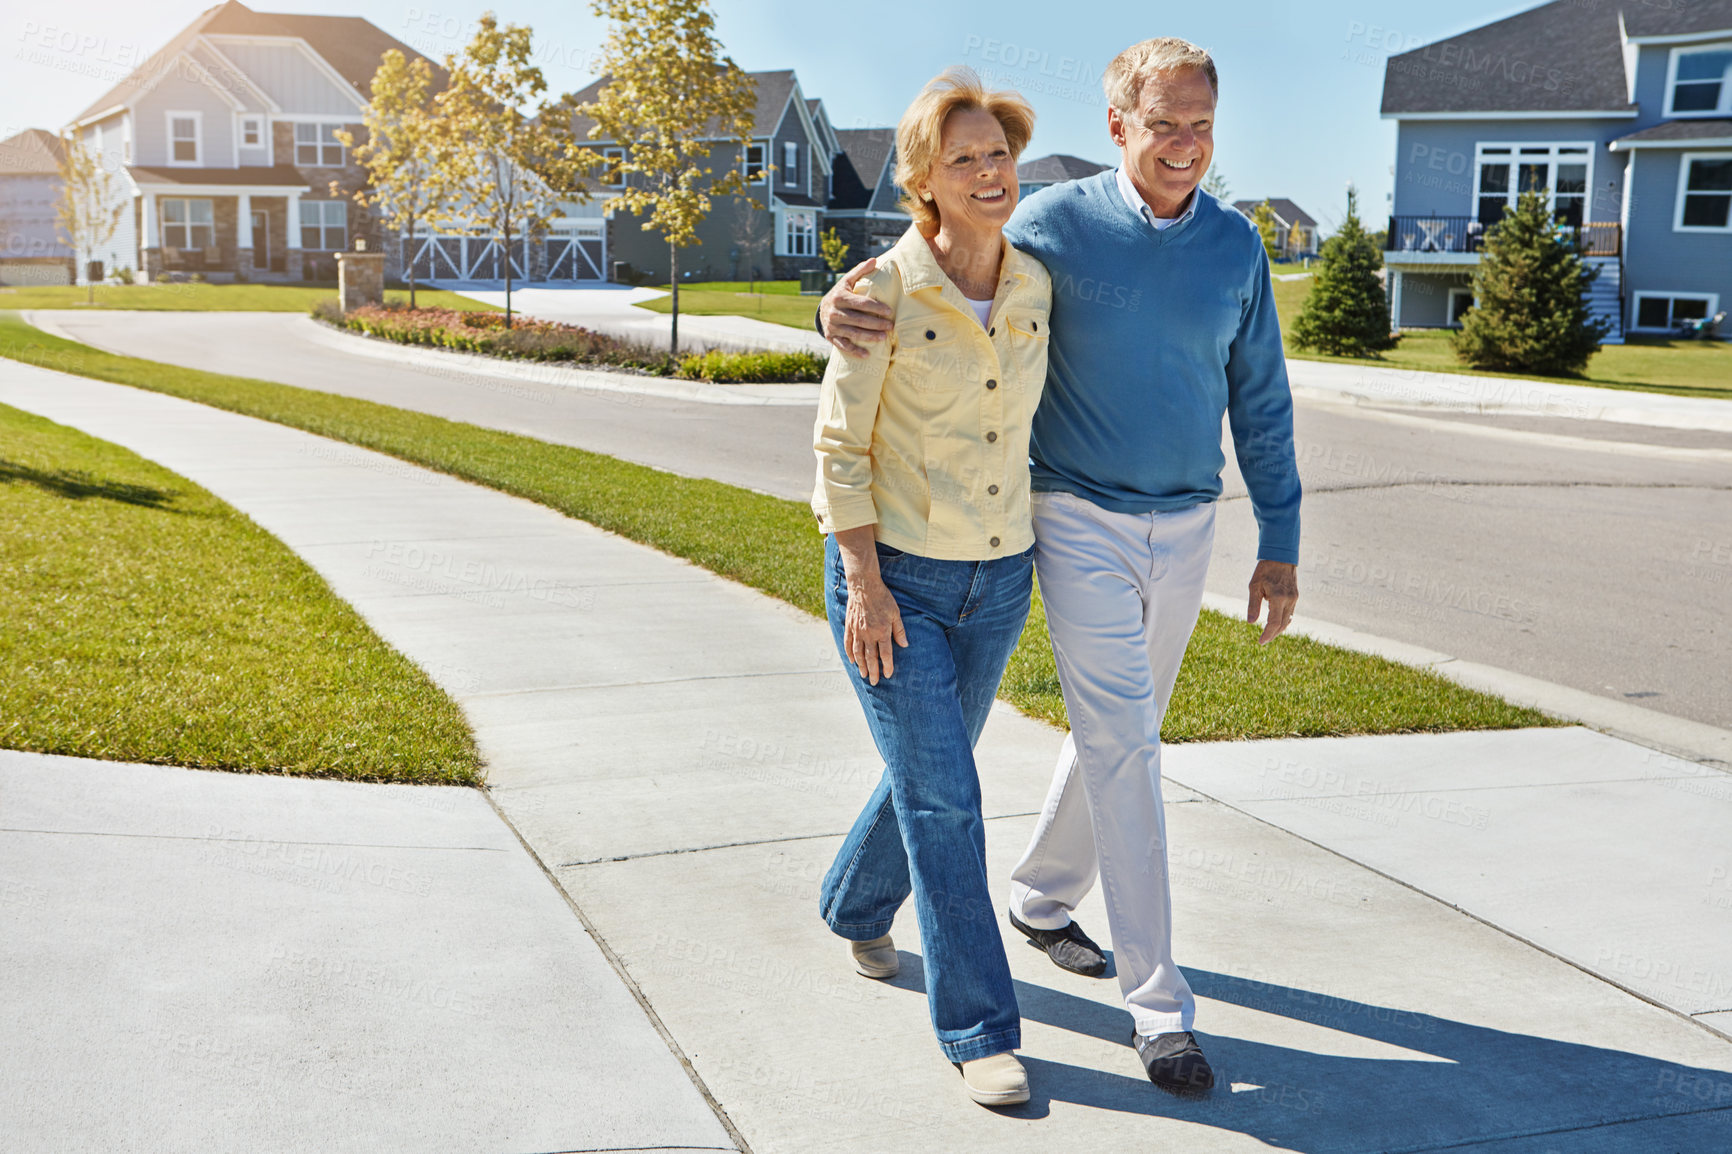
x=874, y=620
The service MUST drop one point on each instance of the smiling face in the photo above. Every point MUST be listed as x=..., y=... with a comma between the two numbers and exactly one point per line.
x=1169, y=140
x=973, y=178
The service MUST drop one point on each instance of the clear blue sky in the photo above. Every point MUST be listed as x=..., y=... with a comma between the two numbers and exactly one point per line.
x=1300, y=83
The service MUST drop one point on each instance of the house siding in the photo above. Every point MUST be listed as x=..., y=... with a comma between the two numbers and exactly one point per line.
x=179, y=93
x=290, y=78
x=1435, y=161
x=1658, y=259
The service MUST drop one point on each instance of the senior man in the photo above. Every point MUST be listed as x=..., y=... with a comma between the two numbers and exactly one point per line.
x=1162, y=320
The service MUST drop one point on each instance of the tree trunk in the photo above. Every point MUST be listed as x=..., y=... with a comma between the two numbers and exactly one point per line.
x=407, y=248
x=674, y=279
x=508, y=272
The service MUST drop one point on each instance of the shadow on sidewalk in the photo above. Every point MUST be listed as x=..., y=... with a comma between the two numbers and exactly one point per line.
x=1466, y=1084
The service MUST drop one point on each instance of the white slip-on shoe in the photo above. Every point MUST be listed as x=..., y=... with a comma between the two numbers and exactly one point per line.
x=876, y=958
x=996, y=1080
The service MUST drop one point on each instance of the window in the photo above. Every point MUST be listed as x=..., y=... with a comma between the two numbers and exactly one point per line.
x=316, y=145
x=1664, y=312
x=1559, y=172
x=324, y=224
x=1701, y=81
x=184, y=137
x=1704, y=193
x=799, y=234
x=790, y=163
x=187, y=223
x=252, y=132
x=752, y=164
x=1460, y=300
x=611, y=176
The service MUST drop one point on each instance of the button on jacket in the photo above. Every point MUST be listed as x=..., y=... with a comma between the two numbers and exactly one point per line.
x=927, y=438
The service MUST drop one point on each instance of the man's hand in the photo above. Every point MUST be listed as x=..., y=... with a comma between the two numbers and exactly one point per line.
x=852, y=320
x=1277, y=583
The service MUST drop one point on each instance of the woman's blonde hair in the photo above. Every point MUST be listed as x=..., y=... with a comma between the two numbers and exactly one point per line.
x=920, y=133
x=1131, y=69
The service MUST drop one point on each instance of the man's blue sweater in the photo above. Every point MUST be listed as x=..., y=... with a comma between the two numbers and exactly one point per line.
x=1154, y=335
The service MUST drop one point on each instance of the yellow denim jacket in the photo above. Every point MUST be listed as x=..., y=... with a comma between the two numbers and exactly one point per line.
x=927, y=438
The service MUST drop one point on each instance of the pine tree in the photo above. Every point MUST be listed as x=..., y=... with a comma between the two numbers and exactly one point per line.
x=1346, y=313
x=1530, y=298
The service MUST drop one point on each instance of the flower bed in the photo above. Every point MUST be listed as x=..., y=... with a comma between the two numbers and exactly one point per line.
x=539, y=340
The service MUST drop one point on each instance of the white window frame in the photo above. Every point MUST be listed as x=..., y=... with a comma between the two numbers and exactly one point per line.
x=803, y=242
x=319, y=143
x=1449, y=306
x=1553, y=158
x=197, y=119
x=257, y=124
x=1712, y=300
x=1724, y=108
x=187, y=223
x=790, y=162
x=763, y=150
x=321, y=210
x=611, y=153
x=1678, y=224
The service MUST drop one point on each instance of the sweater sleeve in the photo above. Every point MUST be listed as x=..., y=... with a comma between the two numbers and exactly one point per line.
x=847, y=414
x=1260, y=414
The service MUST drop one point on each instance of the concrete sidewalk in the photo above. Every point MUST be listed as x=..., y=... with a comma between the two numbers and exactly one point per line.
x=1507, y=941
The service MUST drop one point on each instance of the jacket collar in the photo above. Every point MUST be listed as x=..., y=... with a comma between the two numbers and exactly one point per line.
x=920, y=268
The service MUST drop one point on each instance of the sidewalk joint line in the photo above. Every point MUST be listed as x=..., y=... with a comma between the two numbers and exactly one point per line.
x=636, y=991
x=1467, y=913
x=251, y=840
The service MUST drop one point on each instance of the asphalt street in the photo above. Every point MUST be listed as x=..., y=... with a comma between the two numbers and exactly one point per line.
x=1593, y=555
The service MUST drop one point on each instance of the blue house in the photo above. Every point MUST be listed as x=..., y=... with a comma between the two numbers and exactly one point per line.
x=1618, y=111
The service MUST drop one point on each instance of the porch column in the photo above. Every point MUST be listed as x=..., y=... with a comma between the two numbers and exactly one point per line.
x=244, y=235
x=294, y=213
x=1394, y=300
x=151, y=239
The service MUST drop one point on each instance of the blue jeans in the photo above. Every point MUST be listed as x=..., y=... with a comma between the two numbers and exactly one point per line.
x=921, y=830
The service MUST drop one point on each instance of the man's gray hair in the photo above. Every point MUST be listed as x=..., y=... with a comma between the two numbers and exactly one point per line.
x=1131, y=69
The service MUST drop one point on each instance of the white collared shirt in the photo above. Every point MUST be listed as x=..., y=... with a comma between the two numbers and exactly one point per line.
x=1136, y=201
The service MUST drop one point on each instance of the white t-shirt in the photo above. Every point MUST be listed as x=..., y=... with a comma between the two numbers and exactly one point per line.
x=982, y=309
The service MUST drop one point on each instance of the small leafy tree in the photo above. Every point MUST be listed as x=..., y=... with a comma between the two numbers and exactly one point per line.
x=670, y=93
x=90, y=205
x=1264, y=218
x=835, y=253
x=500, y=159
x=1215, y=184
x=1530, y=312
x=1346, y=313
x=403, y=152
x=752, y=234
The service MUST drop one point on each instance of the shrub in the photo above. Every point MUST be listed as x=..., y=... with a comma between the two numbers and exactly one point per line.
x=1346, y=313
x=537, y=340
x=1530, y=298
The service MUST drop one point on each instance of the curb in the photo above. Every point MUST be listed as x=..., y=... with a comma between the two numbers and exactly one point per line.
x=1681, y=737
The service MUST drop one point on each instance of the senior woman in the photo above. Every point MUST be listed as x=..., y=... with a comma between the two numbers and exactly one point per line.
x=923, y=491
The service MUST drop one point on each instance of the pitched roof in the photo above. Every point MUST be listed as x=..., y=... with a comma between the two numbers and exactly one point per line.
x=1056, y=169
x=349, y=44
x=865, y=152
x=1285, y=211
x=1679, y=132
x=33, y=151
x=772, y=90
x=1564, y=56
x=1677, y=19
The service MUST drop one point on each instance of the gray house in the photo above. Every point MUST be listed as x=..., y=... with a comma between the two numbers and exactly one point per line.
x=863, y=206
x=1620, y=114
x=1045, y=171
x=1295, y=229
x=32, y=250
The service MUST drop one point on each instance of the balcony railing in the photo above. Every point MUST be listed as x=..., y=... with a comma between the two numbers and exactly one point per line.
x=1466, y=234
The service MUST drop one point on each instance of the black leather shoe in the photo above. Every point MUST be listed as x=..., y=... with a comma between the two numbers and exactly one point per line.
x=1175, y=1063
x=1069, y=948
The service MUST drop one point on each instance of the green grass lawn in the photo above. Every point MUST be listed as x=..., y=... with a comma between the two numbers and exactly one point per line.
x=1682, y=368
x=1230, y=688
x=253, y=298
x=778, y=302
x=142, y=619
